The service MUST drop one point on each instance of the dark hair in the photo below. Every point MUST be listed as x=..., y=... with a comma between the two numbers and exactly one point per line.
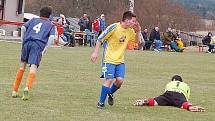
x=128, y=15
x=46, y=11
x=177, y=78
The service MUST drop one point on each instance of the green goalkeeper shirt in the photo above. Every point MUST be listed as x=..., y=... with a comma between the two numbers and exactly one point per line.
x=180, y=87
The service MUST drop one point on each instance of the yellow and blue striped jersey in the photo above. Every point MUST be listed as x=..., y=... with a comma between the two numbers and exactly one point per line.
x=115, y=39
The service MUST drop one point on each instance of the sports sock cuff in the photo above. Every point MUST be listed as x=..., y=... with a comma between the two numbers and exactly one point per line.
x=151, y=101
x=186, y=105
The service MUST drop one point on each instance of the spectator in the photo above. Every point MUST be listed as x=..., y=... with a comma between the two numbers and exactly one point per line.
x=146, y=39
x=168, y=37
x=211, y=45
x=174, y=46
x=206, y=41
x=155, y=38
x=61, y=39
x=88, y=31
x=180, y=43
x=96, y=28
x=102, y=23
x=83, y=22
x=68, y=34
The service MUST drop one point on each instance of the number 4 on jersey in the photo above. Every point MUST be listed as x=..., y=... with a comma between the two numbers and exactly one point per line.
x=37, y=27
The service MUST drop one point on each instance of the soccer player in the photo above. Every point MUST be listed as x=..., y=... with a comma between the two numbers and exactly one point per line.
x=114, y=40
x=36, y=34
x=176, y=94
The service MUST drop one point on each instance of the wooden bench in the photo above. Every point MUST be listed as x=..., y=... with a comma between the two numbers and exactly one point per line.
x=80, y=37
x=201, y=47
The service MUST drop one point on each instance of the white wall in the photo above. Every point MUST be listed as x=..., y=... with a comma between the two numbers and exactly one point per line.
x=10, y=14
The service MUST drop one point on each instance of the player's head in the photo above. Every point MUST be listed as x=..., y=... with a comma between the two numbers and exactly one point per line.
x=177, y=78
x=46, y=11
x=129, y=18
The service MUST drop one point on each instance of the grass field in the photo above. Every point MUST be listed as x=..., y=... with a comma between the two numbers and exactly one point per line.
x=67, y=86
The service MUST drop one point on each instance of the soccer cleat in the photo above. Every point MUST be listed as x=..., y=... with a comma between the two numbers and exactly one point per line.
x=156, y=50
x=141, y=102
x=15, y=94
x=196, y=109
x=100, y=105
x=110, y=99
x=25, y=94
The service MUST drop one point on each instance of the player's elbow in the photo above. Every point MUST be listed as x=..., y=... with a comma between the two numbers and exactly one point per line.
x=23, y=28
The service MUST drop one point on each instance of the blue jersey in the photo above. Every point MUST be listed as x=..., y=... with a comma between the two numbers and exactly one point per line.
x=38, y=30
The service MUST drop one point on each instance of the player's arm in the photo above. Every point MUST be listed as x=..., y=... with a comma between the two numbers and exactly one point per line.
x=101, y=39
x=52, y=36
x=94, y=55
x=137, y=30
x=50, y=39
x=23, y=30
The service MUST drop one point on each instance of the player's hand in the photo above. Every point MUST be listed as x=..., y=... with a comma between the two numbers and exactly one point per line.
x=196, y=109
x=94, y=57
x=137, y=27
x=143, y=102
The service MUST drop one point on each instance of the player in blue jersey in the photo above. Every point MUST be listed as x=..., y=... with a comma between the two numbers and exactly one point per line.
x=36, y=34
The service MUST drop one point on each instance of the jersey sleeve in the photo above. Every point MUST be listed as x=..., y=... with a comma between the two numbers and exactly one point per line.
x=107, y=33
x=26, y=25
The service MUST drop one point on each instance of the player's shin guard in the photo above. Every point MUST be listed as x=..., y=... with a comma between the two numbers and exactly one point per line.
x=104, y=91
x=186, y=105
x=30, y=79
x=113, y=88
x=18, y=79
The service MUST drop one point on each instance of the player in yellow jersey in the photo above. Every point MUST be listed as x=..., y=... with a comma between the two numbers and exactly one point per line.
x=176, y=94
x=114, y=40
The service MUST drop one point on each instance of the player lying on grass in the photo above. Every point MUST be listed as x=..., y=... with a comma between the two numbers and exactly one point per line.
x=176, y=94
x=35, y=36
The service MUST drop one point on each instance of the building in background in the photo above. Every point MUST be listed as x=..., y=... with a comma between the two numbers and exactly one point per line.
x=11, y=10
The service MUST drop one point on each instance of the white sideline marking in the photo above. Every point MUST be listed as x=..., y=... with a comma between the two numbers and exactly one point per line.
x=10, y=41
x=54, y=46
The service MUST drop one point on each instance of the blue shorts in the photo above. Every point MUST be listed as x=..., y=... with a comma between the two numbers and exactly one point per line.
x=31, y=53
x=111, y=71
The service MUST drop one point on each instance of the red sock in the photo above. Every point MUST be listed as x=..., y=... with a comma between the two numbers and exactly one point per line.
x=186, y=105
x=151, y=101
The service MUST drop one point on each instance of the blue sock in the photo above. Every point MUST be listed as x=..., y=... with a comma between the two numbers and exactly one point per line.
x=104, y=91
x=113, y=89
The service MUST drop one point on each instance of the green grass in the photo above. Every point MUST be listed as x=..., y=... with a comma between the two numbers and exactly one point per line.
x=67, y=86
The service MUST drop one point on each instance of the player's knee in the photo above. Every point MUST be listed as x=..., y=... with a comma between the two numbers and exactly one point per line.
x=118, y=83
x=108, y=83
